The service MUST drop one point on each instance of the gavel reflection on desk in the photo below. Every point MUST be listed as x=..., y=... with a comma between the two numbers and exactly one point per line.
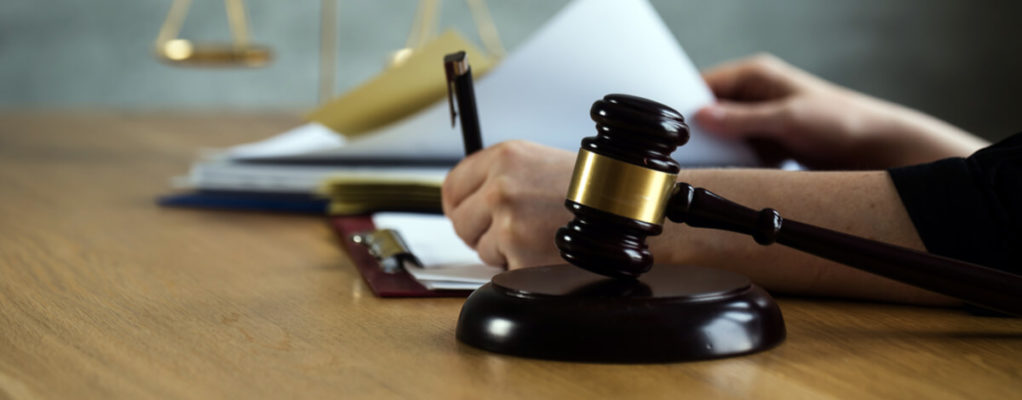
x=623, y=186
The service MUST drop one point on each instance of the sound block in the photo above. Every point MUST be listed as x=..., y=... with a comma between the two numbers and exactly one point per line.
x=672, y=313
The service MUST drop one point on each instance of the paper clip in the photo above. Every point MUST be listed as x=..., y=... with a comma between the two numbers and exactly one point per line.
x=389, y=249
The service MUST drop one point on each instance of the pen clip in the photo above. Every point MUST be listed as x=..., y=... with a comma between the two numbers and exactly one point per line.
x=454, y=66
x=449, y=72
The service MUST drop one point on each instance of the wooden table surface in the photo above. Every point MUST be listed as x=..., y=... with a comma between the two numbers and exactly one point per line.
x=105, y=295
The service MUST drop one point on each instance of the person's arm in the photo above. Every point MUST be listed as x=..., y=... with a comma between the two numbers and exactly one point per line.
x=507, y=201
x=861, y=203
x=820, y=124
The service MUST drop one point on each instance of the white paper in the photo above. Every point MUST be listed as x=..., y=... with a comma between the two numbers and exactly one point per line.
x=448, y=263
x=304, y=139
x=221, y=171
x=276, y=178
x=542, y=92
x=448, y=285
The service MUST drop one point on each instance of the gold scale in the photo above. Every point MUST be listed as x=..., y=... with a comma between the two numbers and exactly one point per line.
x=240, y=52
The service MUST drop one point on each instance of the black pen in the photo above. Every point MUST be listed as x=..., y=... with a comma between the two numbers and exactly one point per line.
x=459, y=75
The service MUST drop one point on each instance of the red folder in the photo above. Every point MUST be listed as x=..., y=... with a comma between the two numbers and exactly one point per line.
x=383, y=284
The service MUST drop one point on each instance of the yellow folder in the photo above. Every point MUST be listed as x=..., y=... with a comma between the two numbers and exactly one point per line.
x=361, y=195
x=401, y=90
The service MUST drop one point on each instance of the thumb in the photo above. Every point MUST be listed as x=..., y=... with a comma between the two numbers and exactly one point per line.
x=742, y=120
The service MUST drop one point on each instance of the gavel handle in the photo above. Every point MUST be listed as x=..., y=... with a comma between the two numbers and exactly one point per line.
x=972, y=283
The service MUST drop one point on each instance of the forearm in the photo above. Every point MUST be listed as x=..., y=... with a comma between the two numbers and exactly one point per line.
x=902, y=136
x=863, y=203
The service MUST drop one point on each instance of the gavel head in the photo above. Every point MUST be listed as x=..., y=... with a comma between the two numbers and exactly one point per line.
x=622, y=181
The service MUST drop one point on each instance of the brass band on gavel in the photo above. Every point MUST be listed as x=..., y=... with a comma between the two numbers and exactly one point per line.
x=620, y=188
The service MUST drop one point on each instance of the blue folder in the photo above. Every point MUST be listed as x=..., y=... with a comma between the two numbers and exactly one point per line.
x=299, y=203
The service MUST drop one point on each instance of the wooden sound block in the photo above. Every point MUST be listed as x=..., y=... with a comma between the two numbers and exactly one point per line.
x=673, y=313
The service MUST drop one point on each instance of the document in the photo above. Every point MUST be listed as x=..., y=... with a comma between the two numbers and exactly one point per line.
x=543, y=91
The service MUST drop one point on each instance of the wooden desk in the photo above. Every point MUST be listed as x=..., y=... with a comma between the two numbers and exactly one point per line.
x=103, y=294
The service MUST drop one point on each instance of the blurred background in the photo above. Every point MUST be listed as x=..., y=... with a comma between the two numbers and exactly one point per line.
x=960, y=61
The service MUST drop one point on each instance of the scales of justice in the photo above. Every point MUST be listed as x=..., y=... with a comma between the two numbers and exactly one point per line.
x=613, y=304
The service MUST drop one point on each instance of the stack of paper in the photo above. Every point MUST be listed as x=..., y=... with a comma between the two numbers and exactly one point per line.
x=236, y=179
x=241, y=178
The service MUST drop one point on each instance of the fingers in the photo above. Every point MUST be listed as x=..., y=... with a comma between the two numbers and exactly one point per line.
x=465, y=178
x=472, y=218
x=753, y=93
x=489, y=246
x=760, y=77
x=741, y=120
x=724, y=79
x=472, y=194
x=513, y=242
x=471, y=173
x=499, y=198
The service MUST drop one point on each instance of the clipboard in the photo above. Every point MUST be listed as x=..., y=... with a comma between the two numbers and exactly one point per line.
x=396, y=283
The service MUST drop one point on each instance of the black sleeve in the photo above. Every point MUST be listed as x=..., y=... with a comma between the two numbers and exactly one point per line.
x=969, y=208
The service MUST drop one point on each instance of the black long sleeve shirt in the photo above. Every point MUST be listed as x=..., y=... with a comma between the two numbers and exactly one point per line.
x=969, y=208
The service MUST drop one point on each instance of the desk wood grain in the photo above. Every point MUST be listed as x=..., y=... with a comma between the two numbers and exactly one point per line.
x=105, y=295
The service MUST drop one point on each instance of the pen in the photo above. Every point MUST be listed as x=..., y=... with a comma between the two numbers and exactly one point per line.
x=459, y=76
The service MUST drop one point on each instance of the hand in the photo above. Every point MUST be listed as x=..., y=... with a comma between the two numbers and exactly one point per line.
x=507, y=201
x=821, y=124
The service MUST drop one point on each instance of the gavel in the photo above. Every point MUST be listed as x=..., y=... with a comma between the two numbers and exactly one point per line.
x=624, y=186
